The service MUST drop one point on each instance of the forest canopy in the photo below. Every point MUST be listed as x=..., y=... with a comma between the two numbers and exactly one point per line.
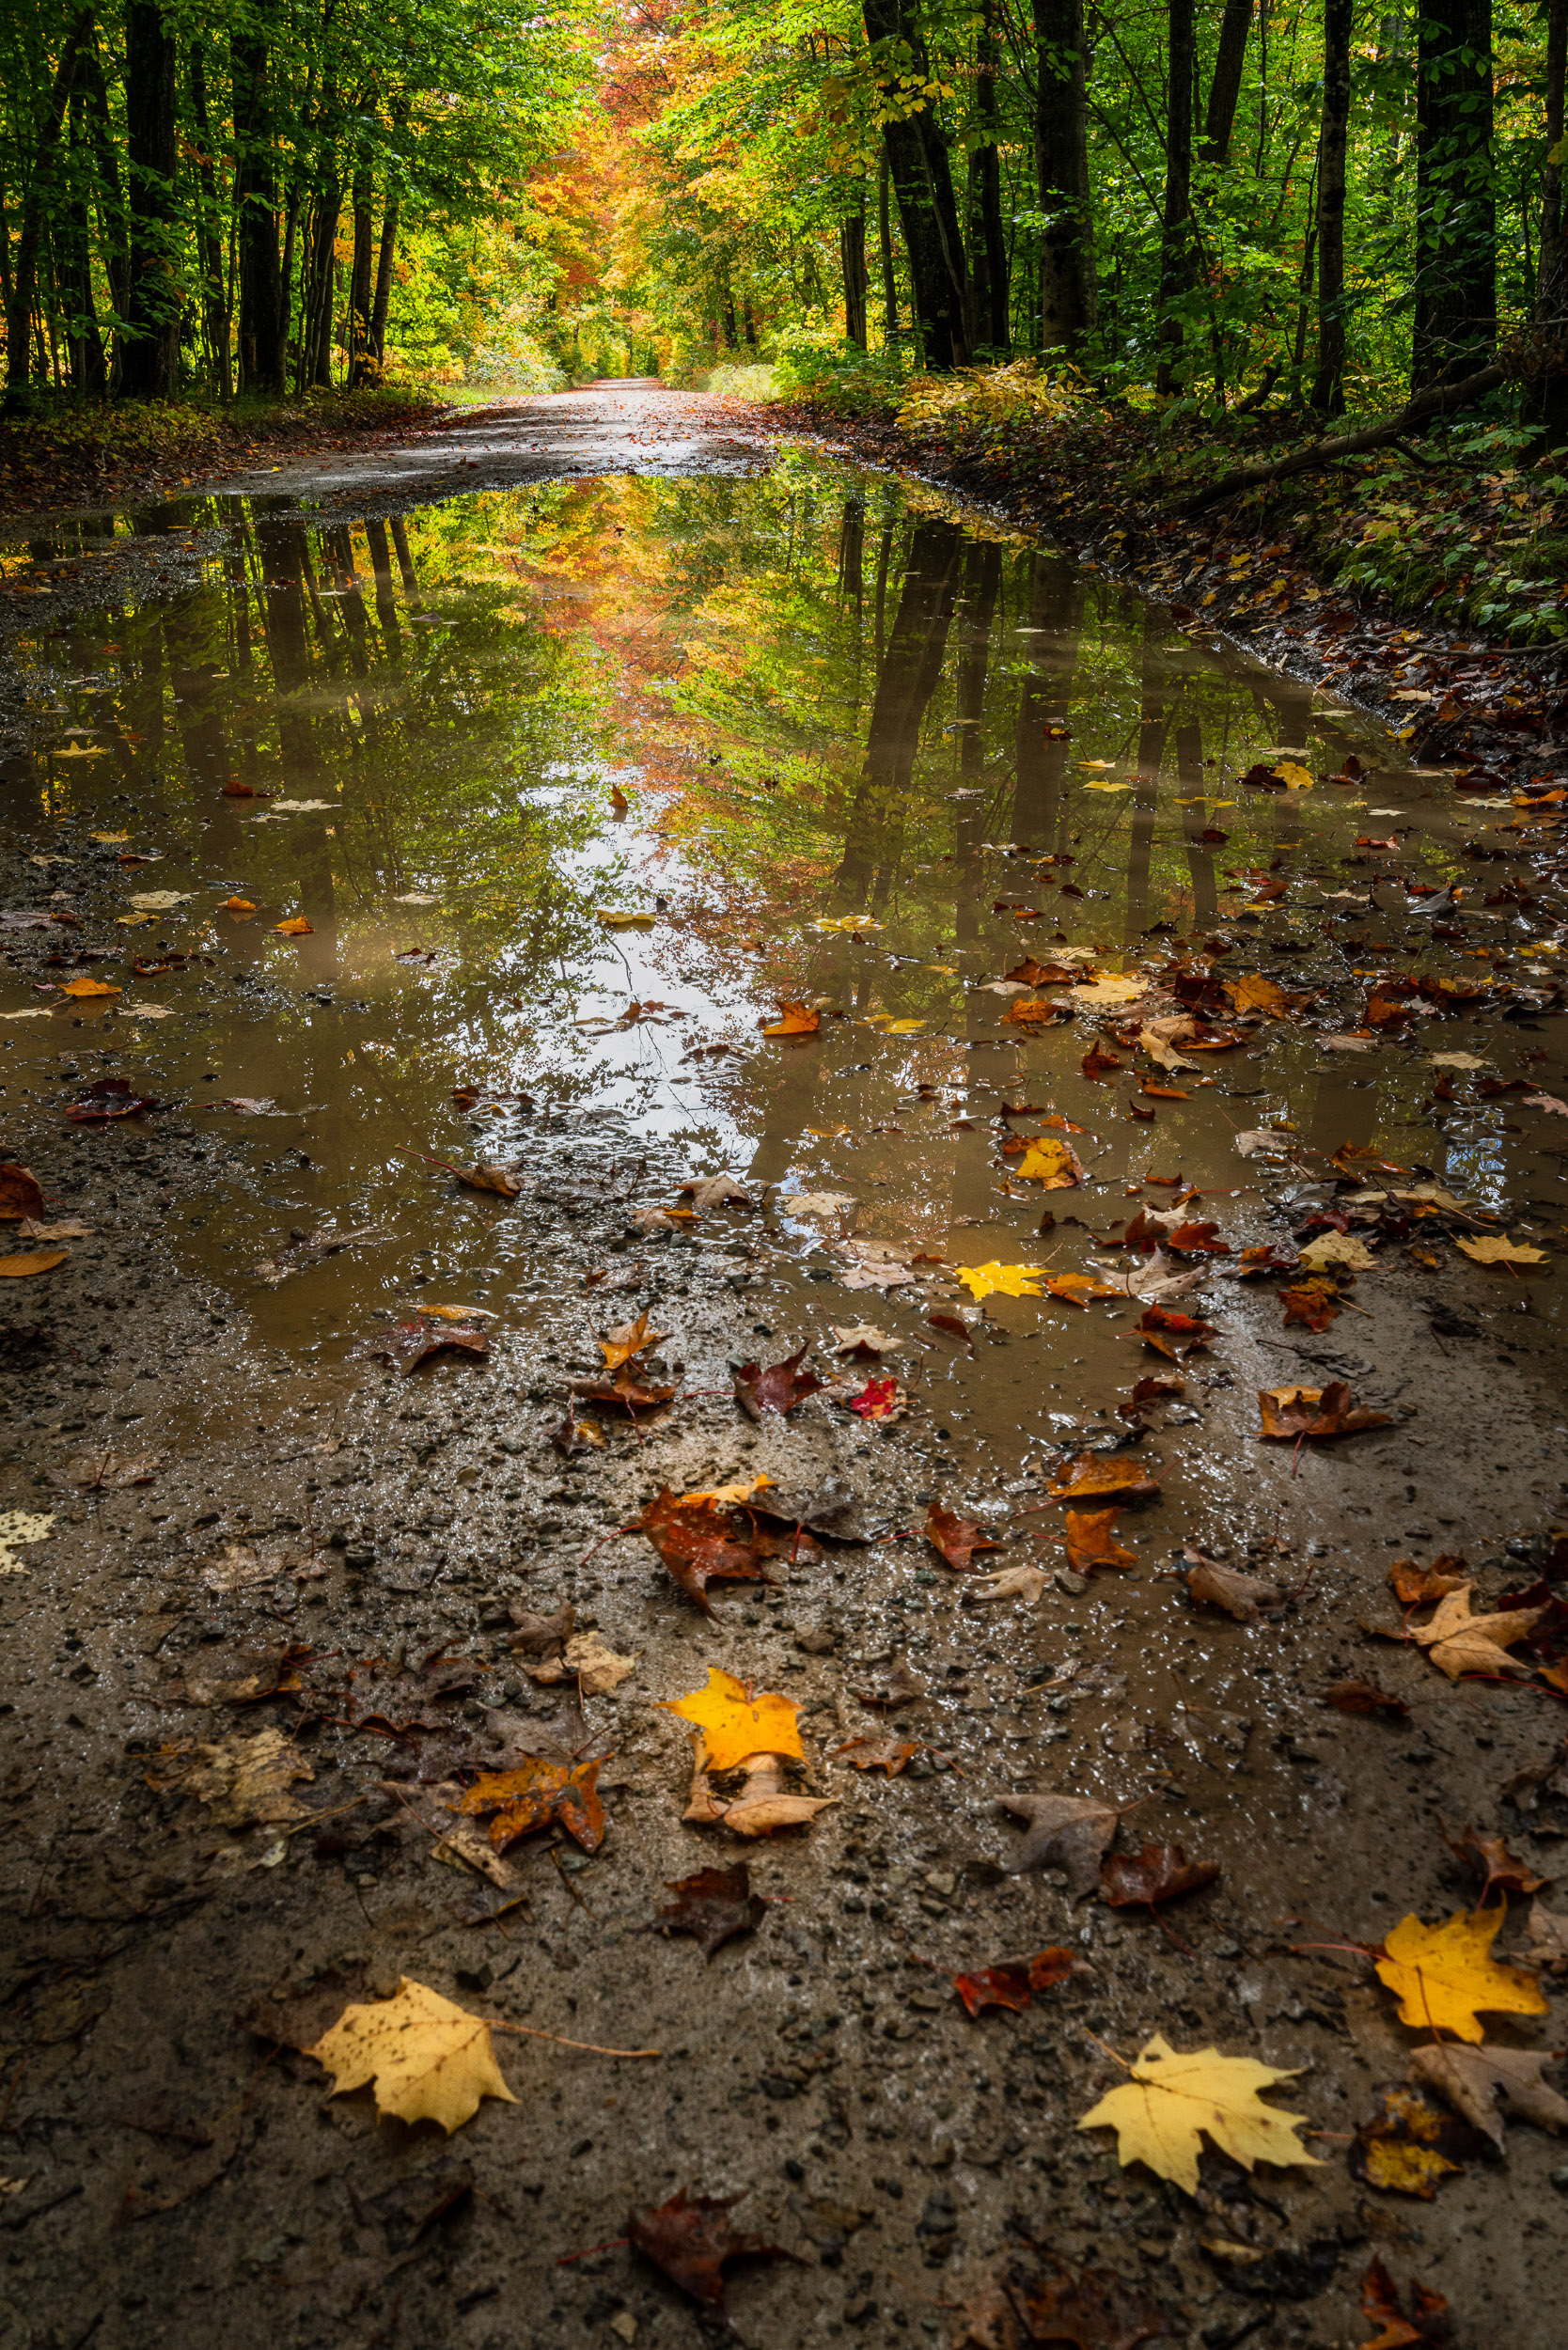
x=1195, y=205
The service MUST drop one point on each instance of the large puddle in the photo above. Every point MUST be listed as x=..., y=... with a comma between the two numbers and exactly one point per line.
x=561, y=794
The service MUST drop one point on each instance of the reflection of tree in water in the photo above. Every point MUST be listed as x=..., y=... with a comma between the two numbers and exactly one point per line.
x=907, y=675
x=1056, y=605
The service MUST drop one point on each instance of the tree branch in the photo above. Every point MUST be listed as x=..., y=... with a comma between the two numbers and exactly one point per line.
x=1438, y=399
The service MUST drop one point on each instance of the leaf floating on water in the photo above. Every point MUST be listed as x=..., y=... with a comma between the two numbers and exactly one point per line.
x=408, y=1344
x=956, y=1540
x=1172, y=2100
x=1092, y=1476
x=1502, y=1251
x=1317, y=1413
x=1090, y=1538
x=1040, y=1159
x=1001, y=1280
x=428, y=2059
x=296, y=927
x=795, y=1020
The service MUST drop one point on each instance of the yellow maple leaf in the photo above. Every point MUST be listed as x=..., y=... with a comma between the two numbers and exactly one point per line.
x=633, y=1337
x=1109, y=987
x=1168, y=2099
x=735, y=1726
x=1054, y=1164
x=1004, y=1281
x=1254, y=992
x=1501, y=1250
x=428, y=2059
x=1443, y=1974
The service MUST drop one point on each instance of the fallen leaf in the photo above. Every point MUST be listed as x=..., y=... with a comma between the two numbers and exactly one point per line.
x=1459, y=1642
x=1159, y=1040
x=880, y=1400
x=1066, y=1832
x=1076, y=1289
x=715, y=1191
x=624, y=918
x=1013, y=1983
x=778, y=1389
x=1443, y=1975
x=633, y=1337
x=237, y=906
x=245, y=1782
x=1500, y=1251
x=1093, y=2309
x=1337, y=1248
x=1172, y=1334
x=1001, y=1280
x=1409, y=2146
x=408, y=1344
x=1171, y=2097
x=955, y=1540
x=1428, y=2322
x=818, y=1207
x=624, y=1393
x=500, y=1179
x=110, y=1472
x=1472, y=2079
x=795, y=1020
x=295, y=927
x=1243, y=1597
x=1160, y=1872
x=1147, y=1392
x=1551, y=1101
x=713, y=1908
x=87, y=987
x=1312, y=1304
x=734, y=1725
x=702, y=1540
x=595, y=1667
x=158, y=900
x=1034, y=1011
x=1042, y=1160
x=863, y=1337
x=110, y=1097
x=1090, y=1475
x=1418, y=1587
x=900, y=1685
x=18, y=1268
x=1021, y=1582
x=429, y=2061
x=1363, y=1697
x=690, y=2238
x=1548, y=1930
x=1318, y=1413
x=1110, y=987
x=1090, y=1538
x=1098, y=1065
x=540, y=1794
x=1489, y=1858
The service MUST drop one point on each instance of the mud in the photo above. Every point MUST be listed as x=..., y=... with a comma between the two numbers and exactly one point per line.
x=826, y=700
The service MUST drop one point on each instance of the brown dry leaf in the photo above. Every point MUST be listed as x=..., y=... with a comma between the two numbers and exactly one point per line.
x=21, y=1195
x=1459, y=1642
x=1489, y=1858
x=1418, y=1587
x=778, y=1389
x=1472, y=2079
x=1173, y=1334
x=1363, y=1697
x=1066, y=1832
x=1092, y=1476
x=23, y=1265
x=1160, y=1872
x=245, y=1782
x=690, y=2238
x=632, y=1337
x=537, y=1794
x=795, y=1020
x=714, y=1906
x=1243, y=1597
x=702, y=1540
x=955, y=1540
x=428, y=2059
x=1090, y=1538
x=1014, y=1982
x=1315, y=1412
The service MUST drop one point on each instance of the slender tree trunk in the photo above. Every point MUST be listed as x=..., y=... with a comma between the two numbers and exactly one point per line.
x=987, y=233
x=24, y=270
x=214, y=310
x=315, y=358
x=151, y=351
x=923, y=181
x=1328, y=393
x=111, y=203
x=1176, y=232
x=1456, y=225
x=906, y=680
x=382, y=299
x=262, y=321
x=89, y=370
x=852, y=258
x=360, y=367
x=1225, y=90
x=885, y=244
x=1546, y=394
x=1067, y=286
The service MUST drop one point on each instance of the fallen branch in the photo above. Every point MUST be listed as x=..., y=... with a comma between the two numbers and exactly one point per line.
x=1438, y=399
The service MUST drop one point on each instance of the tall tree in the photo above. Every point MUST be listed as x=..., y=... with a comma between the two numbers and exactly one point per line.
x=1176, y=225
x=22, y=290
x=150, y=348
x=1546, y=395
x=89, y=367
x=263, y=316
x=1225, y=90
x=215, y=303
x=1329, y=390
x=922, y=182
x=990, y=314
x=851, y=263
x=361, y=362
x=1455, y=320
x=1067, y=288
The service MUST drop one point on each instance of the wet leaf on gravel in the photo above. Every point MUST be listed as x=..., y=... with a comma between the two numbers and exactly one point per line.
x=626, y=1392
x=714, y=1906
x=795, y=1020
x=1457, y=1641
x=879, y=1400
x=28, y=1261
x=109, y=1472
x=702, y=1540
x=21, y=1195
x=1549, y=1932
x=1364, y=1696
x=1312, y=1303
x=407, y=1344
x=1146, y=1393
x=1444, y=1976
x=538, y=1636
x=1418, y=1587
x=1000, y=1280
x=1471, y=2080
x=1066, y=1832
x=1093, y=2309
x=891, y=1755
x=1489, y=1858
x=1410, y=2145
x=1172, y=2099
x=955, y=1540
x=1316, y=1413
x=1090, y=1538
x=735, y=1723
x=1243, y=1597
x=632, y=1337
x=898, y=1685
x=1160, y=1872
x=778, y=1389
x=595, y=1667
x=1014, y=1983
x=1428, y=2321
x=1021, y=1582
x=111, y=1097
x=237, y=1677
x=690, y=2238
x=1173, y=1334
x=428, y=2059
x=540, y=1794
x=1093, y=1475
x=244, y=1781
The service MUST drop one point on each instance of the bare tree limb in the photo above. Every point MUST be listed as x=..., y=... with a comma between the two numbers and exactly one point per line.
x=1437, y=400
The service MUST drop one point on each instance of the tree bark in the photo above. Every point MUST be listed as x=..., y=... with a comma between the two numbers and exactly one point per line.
x=852, y=259
x=316, y=343
x=1067, y=286
x=263, y=324
x=1176, y=231
x=885, y=246
x=1546, y=394
x=385, y=256
x=1456, y=227
x=1328, y=392
x=214, y=310
x=991, y=310
x=361, y=367
x=922, y=182
x=24, y=284
x=1225, y=90
x=151, y=349
x=89, y=369
x=111, y=201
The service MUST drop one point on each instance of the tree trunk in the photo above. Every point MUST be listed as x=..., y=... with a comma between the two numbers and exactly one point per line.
x=989, y=305
x=383, y=300
x=1546, y=394
x=923, y=181
x=262, y=322
x=360, y=370
x=316, y=345
x=1067, y=286
x=151, y=350
x=1176, y=232
x=1328, y=394
x=885, y=244
x=24, y=284
x=1225, y=90
x=1456, y=227
x=214, y=310
x=89, y=370
x=851, y=258
x=111, y=202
